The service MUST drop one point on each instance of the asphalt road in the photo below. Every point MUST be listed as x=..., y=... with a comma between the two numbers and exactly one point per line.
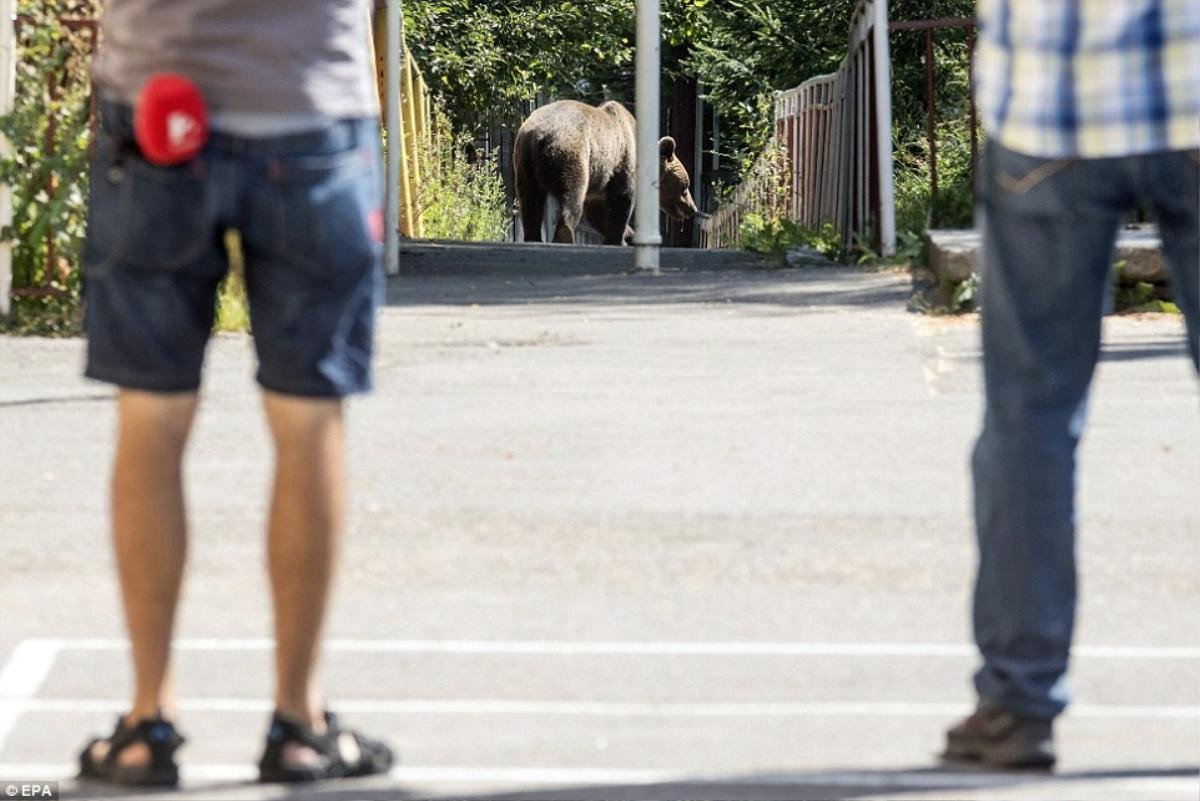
x=697, y=536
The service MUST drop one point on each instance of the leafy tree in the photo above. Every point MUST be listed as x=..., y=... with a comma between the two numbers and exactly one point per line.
x=747, y=49
x=482, y=57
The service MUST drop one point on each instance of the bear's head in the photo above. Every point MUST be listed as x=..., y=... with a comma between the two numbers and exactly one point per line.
x=674, y=193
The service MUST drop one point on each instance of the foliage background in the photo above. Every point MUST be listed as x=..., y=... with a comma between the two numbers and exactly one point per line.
x=49, y=188
x=482, y=58
x=459, y=198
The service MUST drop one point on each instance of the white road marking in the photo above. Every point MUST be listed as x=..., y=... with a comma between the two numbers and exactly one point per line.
x=633, y=648
x=569, y=777
x=583, y=708
x=31, y=661
x=21, y=679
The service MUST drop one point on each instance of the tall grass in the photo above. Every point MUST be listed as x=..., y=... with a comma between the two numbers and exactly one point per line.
x=233, y=310
x=914, y=198
x=462, y=194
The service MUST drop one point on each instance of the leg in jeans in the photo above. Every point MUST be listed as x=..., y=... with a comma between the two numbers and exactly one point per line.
x=1172, y=181
x=1049, y=235
x=150, y=539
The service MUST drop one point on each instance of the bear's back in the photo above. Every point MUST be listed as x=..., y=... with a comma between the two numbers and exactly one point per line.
x=564, y=117
x=569, y=131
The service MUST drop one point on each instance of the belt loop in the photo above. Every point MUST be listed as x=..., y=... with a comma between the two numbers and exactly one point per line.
x=347, y=134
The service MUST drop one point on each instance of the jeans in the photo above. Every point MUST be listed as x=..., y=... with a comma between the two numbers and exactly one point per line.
x=1050, y=227
x=308, y=208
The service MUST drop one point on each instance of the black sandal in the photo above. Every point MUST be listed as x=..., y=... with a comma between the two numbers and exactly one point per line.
x=157, y=734
x=373, y=756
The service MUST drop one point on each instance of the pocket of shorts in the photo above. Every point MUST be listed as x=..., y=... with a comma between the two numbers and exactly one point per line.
x=107, y=233
x=164, y=213
x=322, y=207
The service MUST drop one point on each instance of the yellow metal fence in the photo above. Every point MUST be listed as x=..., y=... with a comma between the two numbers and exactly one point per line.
x=415, y=123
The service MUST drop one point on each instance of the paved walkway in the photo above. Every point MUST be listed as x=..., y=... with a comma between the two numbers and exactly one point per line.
x=697, y=536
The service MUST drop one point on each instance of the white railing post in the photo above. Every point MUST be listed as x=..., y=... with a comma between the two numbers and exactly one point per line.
x=828, y=122
x=883, y=130
x=8, y=86
x=647, y=237
x=395, y=27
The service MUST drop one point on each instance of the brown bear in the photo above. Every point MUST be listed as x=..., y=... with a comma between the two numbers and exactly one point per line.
x=586, y=157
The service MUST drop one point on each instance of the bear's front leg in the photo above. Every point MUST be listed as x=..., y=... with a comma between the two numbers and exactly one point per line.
x=617, y=213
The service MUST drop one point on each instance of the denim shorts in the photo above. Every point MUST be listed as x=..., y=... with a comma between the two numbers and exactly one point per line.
x=308, y=209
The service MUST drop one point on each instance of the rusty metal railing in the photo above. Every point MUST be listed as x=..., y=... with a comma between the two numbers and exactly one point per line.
x=835, y=136
x=50, y=147
x=929, y=28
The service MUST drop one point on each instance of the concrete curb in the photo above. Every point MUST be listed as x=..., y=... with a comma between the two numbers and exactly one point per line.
x=954, y=255
x=497, y=258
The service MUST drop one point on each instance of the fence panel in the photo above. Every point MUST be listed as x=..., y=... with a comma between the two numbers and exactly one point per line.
x=833, y=135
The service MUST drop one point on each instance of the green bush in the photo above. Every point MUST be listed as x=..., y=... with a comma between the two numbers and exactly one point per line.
x=460, y=198
x=914, y=202
x=776, y=235
x=49, y=183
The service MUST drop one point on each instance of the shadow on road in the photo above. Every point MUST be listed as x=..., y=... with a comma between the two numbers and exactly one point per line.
x=485, y=274
x=829, y=287
x=768, y=786
x=1156, y=349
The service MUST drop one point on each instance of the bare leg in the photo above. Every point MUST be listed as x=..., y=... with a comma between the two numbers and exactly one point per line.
x=150, y=539
x=307, y=511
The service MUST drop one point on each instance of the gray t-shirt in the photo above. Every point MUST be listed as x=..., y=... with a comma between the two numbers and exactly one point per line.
x=264, y=56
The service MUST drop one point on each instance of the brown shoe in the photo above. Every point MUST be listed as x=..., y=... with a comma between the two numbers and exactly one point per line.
x=994, y=737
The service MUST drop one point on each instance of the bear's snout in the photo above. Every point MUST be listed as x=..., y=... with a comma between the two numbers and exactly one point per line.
x=681, y=208
x=687, y=206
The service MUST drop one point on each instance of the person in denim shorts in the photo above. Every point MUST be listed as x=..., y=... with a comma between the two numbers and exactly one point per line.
x=1092, y=109
x=292, y=164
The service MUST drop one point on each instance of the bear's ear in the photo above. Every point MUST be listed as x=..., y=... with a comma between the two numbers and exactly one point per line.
x=666, y=148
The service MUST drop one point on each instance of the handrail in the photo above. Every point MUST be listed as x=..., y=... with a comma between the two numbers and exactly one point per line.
x=415, y=123
x=834, y=135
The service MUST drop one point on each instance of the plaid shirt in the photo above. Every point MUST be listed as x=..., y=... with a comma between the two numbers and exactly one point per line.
x=1090, y=78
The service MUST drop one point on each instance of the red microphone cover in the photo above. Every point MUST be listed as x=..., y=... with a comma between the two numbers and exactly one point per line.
x=170, y=122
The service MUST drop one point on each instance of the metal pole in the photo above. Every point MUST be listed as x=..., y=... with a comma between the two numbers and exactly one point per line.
x=648, y=238
x=395, y=28
x=716, y=140
x=931, y=103
x=971, y=110
x=698, y=162
x=8, y=76
x=883, y=127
